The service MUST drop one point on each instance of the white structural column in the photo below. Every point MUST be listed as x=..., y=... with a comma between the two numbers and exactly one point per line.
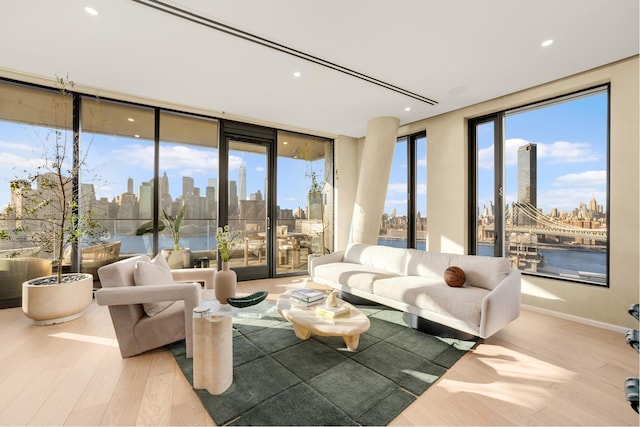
x=375, y=168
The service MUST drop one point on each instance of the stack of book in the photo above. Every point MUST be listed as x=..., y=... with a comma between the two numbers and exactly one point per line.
x=308, y=297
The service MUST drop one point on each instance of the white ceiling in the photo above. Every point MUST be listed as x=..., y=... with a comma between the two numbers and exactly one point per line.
x=455, y=52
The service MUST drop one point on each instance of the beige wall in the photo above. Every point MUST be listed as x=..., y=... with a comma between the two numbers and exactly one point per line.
x=447, y=192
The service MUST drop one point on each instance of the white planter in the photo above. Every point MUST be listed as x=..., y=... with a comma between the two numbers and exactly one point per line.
x=57, y=303
x=177, y=259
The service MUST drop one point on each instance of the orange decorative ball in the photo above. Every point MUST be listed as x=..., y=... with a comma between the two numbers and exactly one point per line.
x=454, y=277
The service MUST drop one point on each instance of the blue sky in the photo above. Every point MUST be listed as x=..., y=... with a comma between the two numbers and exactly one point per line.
x=114, y=159
x=572, y=156
x=396, y=197
x=571, y=140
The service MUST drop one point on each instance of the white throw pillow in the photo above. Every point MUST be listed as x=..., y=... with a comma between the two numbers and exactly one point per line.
x=156, y=272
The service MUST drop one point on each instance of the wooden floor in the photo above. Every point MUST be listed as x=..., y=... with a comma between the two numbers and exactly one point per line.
x=539, y=370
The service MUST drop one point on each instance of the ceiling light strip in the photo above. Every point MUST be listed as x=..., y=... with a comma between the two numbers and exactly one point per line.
x=190, y=16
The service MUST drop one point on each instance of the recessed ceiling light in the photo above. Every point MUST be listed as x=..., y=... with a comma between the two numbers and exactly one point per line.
x=136, y=136
x=407, y=108
x=297, y=74
x=547, y=43
x=285, y=142
x=131, y=119
x=91, y=11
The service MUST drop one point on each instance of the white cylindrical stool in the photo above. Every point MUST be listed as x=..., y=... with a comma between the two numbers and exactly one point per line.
x=212, y=351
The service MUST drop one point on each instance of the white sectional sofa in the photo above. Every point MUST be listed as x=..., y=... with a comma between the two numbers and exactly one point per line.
x=412, y=281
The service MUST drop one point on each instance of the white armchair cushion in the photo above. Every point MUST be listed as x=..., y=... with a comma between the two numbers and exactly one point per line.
x=155, y=272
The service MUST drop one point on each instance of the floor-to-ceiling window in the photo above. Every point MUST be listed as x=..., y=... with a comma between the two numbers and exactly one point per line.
x=404, y=223
x=142, y=165
x=304, y=204
x=541, y=186
x=117, y=179
x=188, y=181
x=35, y=137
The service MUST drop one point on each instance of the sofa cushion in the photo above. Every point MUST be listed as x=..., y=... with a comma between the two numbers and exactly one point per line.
x=351, y=275
x=434, y=295
x=381, y=257
x=482, y=271
x=154, y=272
x=426, y=264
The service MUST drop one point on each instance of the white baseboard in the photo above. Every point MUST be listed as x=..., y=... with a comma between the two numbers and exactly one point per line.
x=577, y=319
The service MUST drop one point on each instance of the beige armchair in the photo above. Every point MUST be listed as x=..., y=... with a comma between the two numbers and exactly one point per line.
x=135, y=331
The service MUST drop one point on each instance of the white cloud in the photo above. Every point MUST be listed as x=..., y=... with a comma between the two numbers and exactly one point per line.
x=567, y=152
x=556, y=152
x=5, y=145
x=395, y=202
x=588, y=179
x=234, y=162
x=485, y=158
x=511, y=150
x=136, y=155
x=397, y=188
x=10, y=161
x=422, y=163
x=421, y=189
x=184, y=161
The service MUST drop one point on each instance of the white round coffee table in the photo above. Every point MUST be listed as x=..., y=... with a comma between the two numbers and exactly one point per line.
x=305, y=321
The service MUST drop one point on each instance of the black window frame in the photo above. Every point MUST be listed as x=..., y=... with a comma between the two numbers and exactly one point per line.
x=498, y=118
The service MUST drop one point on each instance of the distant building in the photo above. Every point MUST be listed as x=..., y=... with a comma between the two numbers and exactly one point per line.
x=242, y=181
x=527, y=184
x=188, y=185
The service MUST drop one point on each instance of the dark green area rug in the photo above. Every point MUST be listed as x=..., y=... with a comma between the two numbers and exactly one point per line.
x=279, y=379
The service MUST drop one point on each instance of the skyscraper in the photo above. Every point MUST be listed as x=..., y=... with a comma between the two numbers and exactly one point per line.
x=188, y=185
x=164, y=184
x=527, y=183
x=242, y=181
x=233, y=197
x=145, y=200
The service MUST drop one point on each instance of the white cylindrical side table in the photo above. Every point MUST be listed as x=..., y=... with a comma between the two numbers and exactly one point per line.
x=212, y=351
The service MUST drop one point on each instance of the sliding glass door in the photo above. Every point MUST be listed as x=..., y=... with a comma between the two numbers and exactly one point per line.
x=247, y=206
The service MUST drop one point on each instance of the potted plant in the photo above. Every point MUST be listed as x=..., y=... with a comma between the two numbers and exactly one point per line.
x=176, y=257
x=49, y=216
x=226, y=278
x=315, y=199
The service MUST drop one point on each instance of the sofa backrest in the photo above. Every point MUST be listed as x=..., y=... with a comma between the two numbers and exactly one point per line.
x=385, y=257
x=120, y=273
x=482, y=271
x=426, y=264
